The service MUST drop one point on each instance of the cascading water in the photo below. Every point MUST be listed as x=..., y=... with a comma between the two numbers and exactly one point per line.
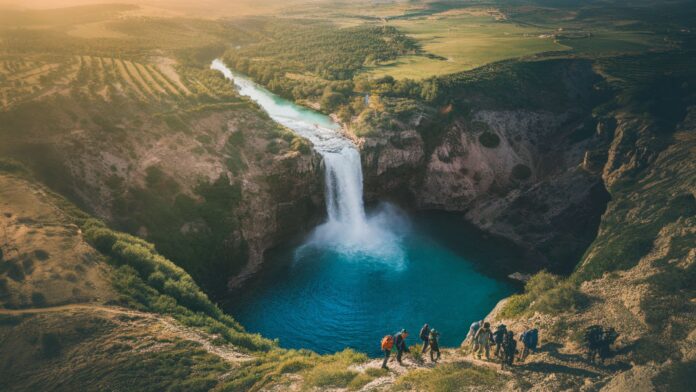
x=359, y=275
x=348, y=229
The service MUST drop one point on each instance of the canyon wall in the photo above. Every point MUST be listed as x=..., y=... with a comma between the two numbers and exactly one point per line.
x=527, y=173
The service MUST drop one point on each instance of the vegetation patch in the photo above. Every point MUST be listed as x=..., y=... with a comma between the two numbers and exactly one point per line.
x=150, y=282
x=546, y=293
x=459, y=376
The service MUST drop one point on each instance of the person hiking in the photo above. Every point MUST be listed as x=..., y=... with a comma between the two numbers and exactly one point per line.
x=433, y=338
x=608, y=338
x=424, y=335
x=386, y=345
x=400, y=343
x=598, y=341
x=509, y=350
x=530, y=339
x=472, y=332
x=498, y=337
x=483, y=339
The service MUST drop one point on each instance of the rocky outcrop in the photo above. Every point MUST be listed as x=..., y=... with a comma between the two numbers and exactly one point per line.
x=213, y=189
x=518, y=174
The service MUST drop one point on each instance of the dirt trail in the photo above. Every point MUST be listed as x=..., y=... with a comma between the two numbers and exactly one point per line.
x=226, y=352
x=539, y=368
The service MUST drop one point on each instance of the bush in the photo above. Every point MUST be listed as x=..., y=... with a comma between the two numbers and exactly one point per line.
x=546, y=293
x=561, y=298
x=294, y=365
x=489, y=139
x=38, y=299
x=330, y=375
x=541, y=282
x=515, y=305
x=50, y=345
x=415, y=351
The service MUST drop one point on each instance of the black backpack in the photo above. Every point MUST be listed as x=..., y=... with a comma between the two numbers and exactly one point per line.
x=593, y=336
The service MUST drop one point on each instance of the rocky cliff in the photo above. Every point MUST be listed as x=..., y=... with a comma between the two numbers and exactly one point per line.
x=521, y=171
x=211, y=180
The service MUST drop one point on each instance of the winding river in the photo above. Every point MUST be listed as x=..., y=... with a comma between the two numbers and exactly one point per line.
x=362, y=274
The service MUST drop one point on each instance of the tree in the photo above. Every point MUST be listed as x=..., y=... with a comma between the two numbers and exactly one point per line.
x=430, y=90
x=330, y=100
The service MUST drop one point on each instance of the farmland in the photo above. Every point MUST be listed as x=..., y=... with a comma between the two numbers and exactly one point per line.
x=464, y=42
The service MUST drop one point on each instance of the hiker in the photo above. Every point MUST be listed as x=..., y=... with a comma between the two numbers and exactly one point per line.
x=530, y=339
x=387, y=344
x=498, y=337
x=424, y=335
x=608, y=338
x=509, y=350
x=472, y=332
x=400, y=343
x=598, y=341
x=483, y=339
x=434, y=345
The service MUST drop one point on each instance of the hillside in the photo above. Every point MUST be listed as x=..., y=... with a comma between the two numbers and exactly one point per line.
x=154, y=143
x=137, y=186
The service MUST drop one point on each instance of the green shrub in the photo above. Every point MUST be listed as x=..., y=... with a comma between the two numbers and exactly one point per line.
x=546, y=293
x=294, y=365
x=561, y=298
x=540, y=282
x=489, y=139
x=515, y=305
x=330, y=375
x=416, y=354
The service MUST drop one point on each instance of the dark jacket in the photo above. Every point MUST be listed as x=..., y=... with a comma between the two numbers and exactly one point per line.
x=499, y=334
x=400, y=343
x=510, y=346
x=434, y=344
x=424, y=333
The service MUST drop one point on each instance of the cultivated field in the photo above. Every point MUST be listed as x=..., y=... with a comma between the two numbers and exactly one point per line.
x=464, y=42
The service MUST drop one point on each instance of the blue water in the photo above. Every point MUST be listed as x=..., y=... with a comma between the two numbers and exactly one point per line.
x=326, y=299
x=362, y=275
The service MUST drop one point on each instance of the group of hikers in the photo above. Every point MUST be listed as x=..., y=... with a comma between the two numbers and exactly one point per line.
x=481, y=337
x=598, y=341
x=429, y=336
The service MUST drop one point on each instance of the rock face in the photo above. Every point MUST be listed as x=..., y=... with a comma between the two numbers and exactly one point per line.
x=528, y=175
x=213, y=194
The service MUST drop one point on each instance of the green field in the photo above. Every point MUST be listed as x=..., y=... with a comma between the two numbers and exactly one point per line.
x=464, y=42
x=465, y=39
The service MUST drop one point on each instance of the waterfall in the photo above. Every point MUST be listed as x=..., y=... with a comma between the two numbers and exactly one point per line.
x=348, y=228
x=344, y=187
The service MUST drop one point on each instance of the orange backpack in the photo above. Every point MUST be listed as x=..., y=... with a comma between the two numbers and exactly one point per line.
x=387, y=343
